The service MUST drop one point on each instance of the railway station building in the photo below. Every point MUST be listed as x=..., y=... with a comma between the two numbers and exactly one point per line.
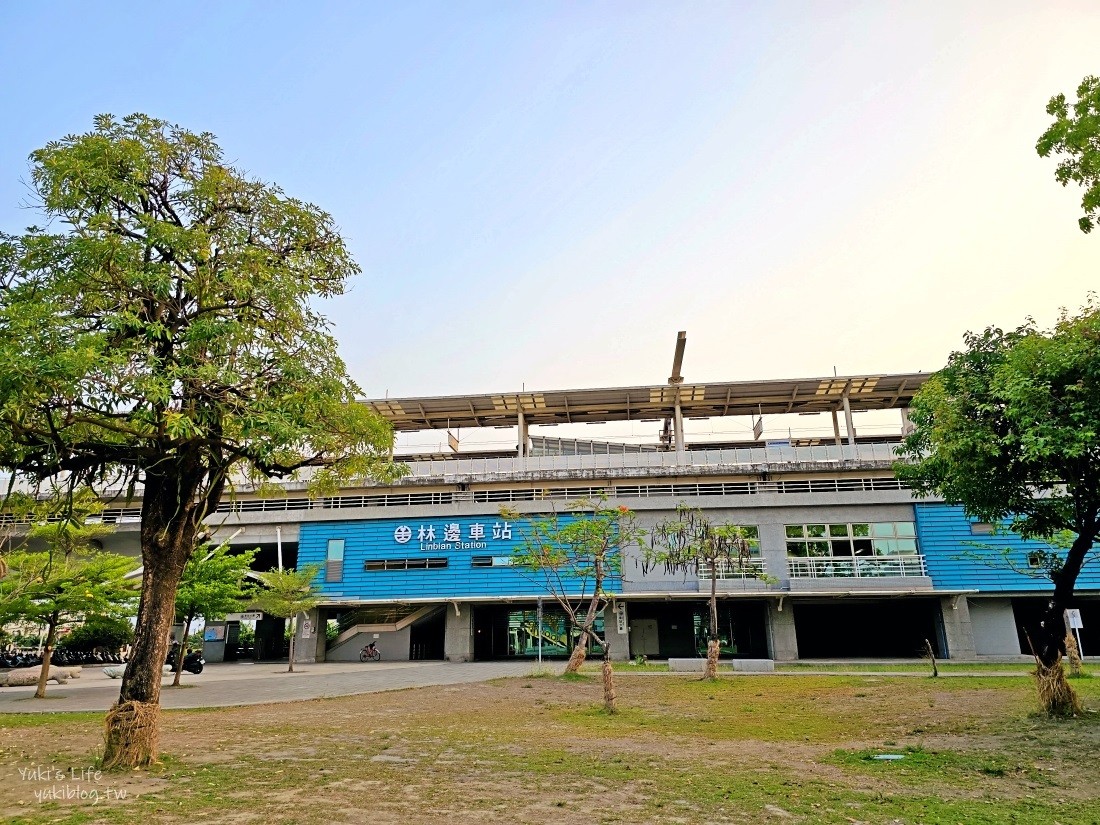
x=846, y=562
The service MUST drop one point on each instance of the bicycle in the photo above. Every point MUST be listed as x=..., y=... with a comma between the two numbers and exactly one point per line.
x=370, y=654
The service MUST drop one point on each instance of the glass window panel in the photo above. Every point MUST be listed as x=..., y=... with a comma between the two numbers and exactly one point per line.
x=838, y=530
x=796, y=548
x=907, y=546
x=335, y=549
x=818, y=548
x=883, y=528
x=906, y=528
x=795, y=531
x=886, y=547
x=863, y=547
x=842, y=548
x=815, y=530
x=860, y=530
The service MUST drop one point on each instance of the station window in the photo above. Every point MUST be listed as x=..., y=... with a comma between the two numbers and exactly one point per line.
x=740, y=569
x=491, y=561
x=334, y=560
x=419, y=563
x=882, y=538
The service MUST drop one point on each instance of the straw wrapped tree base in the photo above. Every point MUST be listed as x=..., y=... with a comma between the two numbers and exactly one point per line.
x=608, y=687
x=1055, y=693
x=133, y=735
x=712, y=660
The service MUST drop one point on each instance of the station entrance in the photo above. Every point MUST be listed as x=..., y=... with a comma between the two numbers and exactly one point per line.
x=872, y=628
x=509, y=632
x=679, y=629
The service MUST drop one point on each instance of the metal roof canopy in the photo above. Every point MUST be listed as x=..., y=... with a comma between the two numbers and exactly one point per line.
x=775, y=397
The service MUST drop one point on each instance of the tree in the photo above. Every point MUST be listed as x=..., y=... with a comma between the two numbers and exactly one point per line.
x=286, y=593
x=167, y=337
x=213, y=584
x=578, y=558
x=692, y=543
x=65, y=582
x=1075, y=135
x=109, y=632
x=1010, y=429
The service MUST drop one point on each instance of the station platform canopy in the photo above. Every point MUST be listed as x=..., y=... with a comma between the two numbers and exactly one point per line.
x=708, y=400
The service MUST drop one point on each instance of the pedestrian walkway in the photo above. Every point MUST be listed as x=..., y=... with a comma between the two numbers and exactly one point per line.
x=248, y=683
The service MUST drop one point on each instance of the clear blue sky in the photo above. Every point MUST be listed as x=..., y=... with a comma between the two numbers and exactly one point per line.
x=544, y=193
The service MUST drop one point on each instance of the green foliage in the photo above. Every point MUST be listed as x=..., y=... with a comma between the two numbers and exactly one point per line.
x=1009, y=428
x=579, y=556
x=67, y=581
x=172, y=321
x=286, y=593
x=1075, y=137
x=214, y=583
x=108, y=632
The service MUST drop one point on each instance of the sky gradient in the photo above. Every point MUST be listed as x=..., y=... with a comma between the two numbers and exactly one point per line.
x=542, y=194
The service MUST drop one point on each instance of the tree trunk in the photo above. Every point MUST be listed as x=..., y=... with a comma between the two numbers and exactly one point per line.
x=47, y=654
x=608, y=684
x=713, y=649
x=182, y=653
x=168, y=529
x=576, y=658
x=290, y=669
x=711, y=671
x=1048, y=637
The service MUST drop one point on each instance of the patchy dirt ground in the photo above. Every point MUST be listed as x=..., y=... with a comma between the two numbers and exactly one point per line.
x=746, y=749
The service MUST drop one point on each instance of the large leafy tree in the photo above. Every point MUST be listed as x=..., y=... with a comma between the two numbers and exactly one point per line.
x=1074, y=136
x=163, y=333
x=67, y=581
x=1010, y=429
x=691, y=542
x=213, y=583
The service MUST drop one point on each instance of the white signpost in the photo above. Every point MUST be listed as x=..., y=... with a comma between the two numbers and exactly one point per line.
x=1074, y=623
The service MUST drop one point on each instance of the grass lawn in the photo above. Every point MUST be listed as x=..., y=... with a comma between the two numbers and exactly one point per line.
x=744, y=749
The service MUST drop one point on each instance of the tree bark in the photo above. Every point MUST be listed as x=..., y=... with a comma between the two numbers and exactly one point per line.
x=182, y=652
x=290, y=669
x=711, y=671
x=47, y=654
x=168, y=529
x=1048, y=637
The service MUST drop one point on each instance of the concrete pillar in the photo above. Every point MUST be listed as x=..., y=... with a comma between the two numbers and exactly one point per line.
x=781, y=635
x=524, y=438
x=309, y=637
x=836, y=429
x=678, y=426
x=848, y=419
x=458, y=635
x=957, y=629
x=907, y=426
x=616, y=633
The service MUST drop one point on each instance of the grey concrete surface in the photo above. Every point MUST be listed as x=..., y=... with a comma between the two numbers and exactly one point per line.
x=233, y=683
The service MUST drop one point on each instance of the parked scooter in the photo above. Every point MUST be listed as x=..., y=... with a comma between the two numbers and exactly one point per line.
x=192, y=660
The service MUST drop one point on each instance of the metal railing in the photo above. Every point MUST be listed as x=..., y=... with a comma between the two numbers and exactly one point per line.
x=832, y=568
x=877, y=452
x=752, y=568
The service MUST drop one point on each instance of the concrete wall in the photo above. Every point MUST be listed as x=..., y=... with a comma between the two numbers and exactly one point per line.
x=393, y=645
x=994, y=627
x=958, y=628
x=458, y=635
